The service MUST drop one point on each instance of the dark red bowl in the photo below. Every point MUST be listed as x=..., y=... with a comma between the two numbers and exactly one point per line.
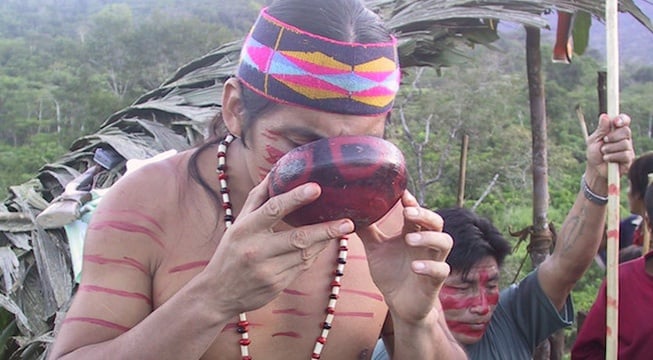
x=362, y=177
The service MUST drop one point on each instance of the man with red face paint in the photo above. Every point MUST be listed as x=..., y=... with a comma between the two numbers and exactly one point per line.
x=509, y=324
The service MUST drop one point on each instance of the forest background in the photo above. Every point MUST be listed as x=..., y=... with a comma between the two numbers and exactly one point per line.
x=67, y=65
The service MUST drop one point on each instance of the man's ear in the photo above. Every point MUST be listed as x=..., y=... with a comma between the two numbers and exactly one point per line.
x=232, y=107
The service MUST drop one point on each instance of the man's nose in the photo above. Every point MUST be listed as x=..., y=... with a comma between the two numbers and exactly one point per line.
x=480, y=305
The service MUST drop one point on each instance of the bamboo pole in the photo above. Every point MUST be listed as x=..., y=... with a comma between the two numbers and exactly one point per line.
x=612, y=279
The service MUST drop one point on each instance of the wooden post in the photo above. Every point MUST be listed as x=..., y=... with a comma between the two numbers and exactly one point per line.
x=462, y=171
x=602, y=90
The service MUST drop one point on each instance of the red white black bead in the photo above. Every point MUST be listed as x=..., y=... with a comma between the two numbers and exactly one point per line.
x=243, y=325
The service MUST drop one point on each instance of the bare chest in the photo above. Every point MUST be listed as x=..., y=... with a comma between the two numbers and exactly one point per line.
x=287, y=327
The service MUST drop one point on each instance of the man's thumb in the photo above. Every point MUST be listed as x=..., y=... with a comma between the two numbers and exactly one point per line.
x=603, y=128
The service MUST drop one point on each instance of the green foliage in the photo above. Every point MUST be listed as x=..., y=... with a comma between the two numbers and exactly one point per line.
x=8, y=329
x=20, y=163
x=581, y=31
x=65, y=66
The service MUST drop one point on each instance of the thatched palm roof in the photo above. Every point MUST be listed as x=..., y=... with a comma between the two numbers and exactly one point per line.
x=35, y=262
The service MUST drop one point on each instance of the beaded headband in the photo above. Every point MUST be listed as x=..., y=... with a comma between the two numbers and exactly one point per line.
x=292, y=66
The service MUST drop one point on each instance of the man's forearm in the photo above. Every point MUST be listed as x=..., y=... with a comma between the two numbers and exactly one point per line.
x=583, y=229
x=577, y=243
x=428, y=339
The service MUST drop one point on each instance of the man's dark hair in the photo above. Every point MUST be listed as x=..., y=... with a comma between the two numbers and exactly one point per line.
x=474, y=238
x=638, y=174
x=648, y=202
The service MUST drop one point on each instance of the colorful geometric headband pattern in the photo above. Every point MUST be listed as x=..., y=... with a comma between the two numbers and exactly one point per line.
x=289, y=65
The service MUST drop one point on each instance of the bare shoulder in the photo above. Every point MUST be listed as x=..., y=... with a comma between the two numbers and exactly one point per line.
x=155, y=177
x=156, y=198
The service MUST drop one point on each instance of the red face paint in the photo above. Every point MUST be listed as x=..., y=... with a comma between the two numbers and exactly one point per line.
x=273, y=154
x=481, y=299
x=475, y=331
x=469, y=302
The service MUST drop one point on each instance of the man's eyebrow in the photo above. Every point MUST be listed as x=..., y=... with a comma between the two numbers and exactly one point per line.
x=467, y=280
x=494, y=277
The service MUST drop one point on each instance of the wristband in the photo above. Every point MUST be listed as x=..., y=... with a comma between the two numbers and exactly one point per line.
x=590, y=195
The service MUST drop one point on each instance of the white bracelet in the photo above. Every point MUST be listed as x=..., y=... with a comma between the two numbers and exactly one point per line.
x=591, y=195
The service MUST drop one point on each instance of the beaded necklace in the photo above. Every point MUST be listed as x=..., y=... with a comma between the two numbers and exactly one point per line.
x=243, y=325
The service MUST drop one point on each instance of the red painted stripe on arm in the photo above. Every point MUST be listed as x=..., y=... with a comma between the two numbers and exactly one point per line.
x=135, y=215
x=127, y=227
x=122, y=293
x=101, y=260
x=95, y=321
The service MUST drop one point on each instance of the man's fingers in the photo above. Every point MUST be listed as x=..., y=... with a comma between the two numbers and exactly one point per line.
x=602, y=129
x=439, y=244
x=257, y=196
x=305, y=237
x=617, y=135
x=621, y=120
x=424, y=218
x=277, y=207
x=436, y=270
x=612, y=127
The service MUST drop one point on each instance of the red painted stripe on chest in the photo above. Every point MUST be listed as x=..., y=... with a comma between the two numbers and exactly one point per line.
x=189, y=266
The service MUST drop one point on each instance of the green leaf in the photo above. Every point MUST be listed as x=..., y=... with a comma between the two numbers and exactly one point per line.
x=5, y=337
x=581, y=31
